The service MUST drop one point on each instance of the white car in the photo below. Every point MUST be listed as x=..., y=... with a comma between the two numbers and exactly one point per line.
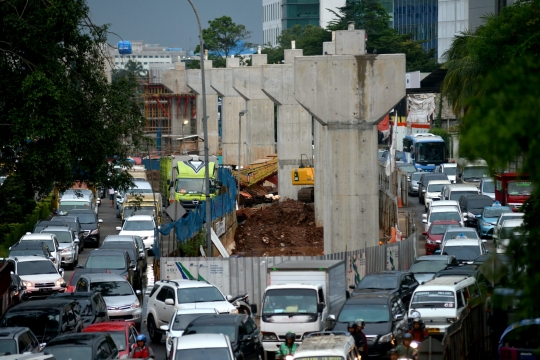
x=51, y=241
x=507, y=230
x=487, y=187
x=443, y=203
x=465, y=250
x=180, y=321
x=433, y=191
x=449, y=169
x=503, y=218
x=203, y=346
x=39, y=275
x=442, y=213
x=143, y=226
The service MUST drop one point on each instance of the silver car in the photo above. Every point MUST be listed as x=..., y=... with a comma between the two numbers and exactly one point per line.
x=413, y=182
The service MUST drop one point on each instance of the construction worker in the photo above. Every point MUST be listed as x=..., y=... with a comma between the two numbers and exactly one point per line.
x=361, y=342
x=140, y=350
x=288, y=347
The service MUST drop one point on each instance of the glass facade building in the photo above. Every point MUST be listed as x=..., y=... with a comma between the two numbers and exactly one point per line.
x=418, y=18
x=301, y=12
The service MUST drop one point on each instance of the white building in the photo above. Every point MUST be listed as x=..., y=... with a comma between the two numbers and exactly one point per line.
x=151, y=56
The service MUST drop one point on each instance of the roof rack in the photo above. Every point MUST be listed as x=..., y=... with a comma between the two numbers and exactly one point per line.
x=465, y=278
x=170, y=281
x=327, y=333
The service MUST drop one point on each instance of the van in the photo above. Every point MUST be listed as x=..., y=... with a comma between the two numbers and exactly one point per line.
x=471, y=171
x=440, y=301
x=456, y=191
x=77, y=200
x=327, y=345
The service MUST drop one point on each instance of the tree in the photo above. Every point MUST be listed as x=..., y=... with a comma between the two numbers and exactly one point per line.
x=61, y=119
x=225, y=37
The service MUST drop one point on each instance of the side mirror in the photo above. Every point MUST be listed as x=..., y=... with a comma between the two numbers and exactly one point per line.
x=61, y=271
x=118, y=228
x=484, y=241
x=168, y=301
x=352, y=287
x=229, y=297
x=100, y=221
x=398, y=317
x=101, y=314
x=331, y=318
x=437, y=252
x=164, y=327
x=139, y=292
x=424, y=216
x=423, y=190
x=80, y=266
x=76, y=241
x=253, y=308
x=487, y=251
x=245, y=338
x=424, y=233
x=320, y=307
x=424, y=221
x=478, y=216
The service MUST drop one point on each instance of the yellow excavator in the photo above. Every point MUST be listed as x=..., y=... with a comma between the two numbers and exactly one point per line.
x=304, y=175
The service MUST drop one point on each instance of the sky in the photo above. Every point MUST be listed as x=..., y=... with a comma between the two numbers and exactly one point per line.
x=172, y=23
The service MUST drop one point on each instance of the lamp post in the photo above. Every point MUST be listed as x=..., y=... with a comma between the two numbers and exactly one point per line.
x=183, y=139
x=205, y=134
x=240, y=114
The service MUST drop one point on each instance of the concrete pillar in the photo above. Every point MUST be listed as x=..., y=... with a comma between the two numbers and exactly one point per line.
x=259, y=121
x=350, y=93
x=319, y=137
x=231, y=104
x=293, y=121
x=194, y=82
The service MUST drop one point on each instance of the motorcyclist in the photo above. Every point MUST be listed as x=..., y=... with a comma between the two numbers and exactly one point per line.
x=288, y=347
x=405, y=350
x=361, y=342
x=140, y=350
x=393, y=354
x=418, y=331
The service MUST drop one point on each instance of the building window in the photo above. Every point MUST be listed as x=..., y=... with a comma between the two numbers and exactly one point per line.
x=139, y=56
x=145, y=63
x=151, y=56
x=145, y=56
x=115, y=56
x=168, y=56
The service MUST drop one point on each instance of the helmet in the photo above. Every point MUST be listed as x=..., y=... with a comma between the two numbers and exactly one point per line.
x=351, y=325
x=290, y=335
x=360, y=322
x=392, y=351
x=141, y=337
x=407, y=336
x=417, y=320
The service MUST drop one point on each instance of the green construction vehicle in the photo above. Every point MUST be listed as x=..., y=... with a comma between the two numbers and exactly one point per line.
x=182, y=178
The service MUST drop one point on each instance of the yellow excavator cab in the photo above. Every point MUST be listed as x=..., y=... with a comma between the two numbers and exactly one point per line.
x=303, y=176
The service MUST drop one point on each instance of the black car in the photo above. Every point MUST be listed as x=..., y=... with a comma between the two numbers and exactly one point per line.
x=93, y=307
x=385, y=317
x=424, y=268
x=245, y=337
x=89, y=224
x=82, y=346
x=401, y=283
x=472, y=205
x=17, y=291
x=424, y=180
x=30, y=248
x=42, y=224
x=46, y=318
x=112, y=261
x=136, y=259
x=465, y=271
x=18, y=340
x=75, y=224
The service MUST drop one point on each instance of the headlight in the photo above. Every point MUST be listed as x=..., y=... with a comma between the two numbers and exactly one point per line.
x=234, y=311
x=386, y=338
x=269, y=336
x=136, y=304
x=59, y=282
x=451, y=320
x=67, y=250
x=485, y=223
x=94, y=232
x=28, y=284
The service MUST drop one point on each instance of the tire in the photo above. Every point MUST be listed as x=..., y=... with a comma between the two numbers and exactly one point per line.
x=154, y=334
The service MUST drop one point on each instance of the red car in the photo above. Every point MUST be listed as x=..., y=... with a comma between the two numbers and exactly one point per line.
x=123, y=334
x=435, y=233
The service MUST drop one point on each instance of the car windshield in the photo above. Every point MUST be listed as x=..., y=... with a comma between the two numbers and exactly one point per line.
x=428, y=266
x=183, y=320
x=455, y=195
x=72, y=224
x=203, y=354
x=384, y=282
x=225, y=329
x=200, y=294
x=70, y=352
x=112, y=288
x=62, y=236
x=475, y=172
x=49, y=243
x=488, y=187
x=449, y=170
x=520, y=188
x=138, y=225
x=35, y=268
x=438, y=229
x=430, y=152
x=480, y=203
x=433, y=299
x=509, y=216
x=435, y=187
x=451, y=215
x=468, y=232
x=290, y=301
x=495, y=212
x=66, y=206
x=8, y=347
x=86, y=218
x=190, y=186
x=99, y=261
x=416, y=176
x=370, y=313
x=44, y=323
x=463, y=253
x=134, y=210
x=119, y=338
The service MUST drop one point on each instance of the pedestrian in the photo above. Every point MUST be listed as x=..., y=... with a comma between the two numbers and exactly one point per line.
x=111, y=196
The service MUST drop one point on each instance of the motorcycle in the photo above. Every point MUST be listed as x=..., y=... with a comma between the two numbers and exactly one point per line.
x=241, y=302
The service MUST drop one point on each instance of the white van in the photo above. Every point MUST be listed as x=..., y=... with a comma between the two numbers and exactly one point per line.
x=440, y=301
x=327, y=345
x=465, y=250
x=433, y=191
x=471, y=171
x=456, y=191
x=77, y=200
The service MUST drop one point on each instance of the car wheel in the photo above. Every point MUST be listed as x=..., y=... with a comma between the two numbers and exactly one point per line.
x=155, y=336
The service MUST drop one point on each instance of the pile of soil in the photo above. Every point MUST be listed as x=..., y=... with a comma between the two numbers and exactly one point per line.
x=285, y=228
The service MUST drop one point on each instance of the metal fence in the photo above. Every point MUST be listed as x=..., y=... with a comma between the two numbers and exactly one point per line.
x=240, y=275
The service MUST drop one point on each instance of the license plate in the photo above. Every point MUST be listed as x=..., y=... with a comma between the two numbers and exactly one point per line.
x=433, y=330
x=45, y=290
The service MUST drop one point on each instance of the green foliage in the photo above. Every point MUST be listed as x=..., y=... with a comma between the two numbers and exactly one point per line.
x=16, y=200
x=61, y=118
x=225, y=36
x=190, y=248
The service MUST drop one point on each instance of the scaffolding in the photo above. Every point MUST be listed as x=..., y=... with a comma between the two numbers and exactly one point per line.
x=158, y=107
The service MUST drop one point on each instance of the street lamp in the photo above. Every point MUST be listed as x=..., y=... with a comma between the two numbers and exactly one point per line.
x=240, y=114
x=460, y=35
x=183, y=139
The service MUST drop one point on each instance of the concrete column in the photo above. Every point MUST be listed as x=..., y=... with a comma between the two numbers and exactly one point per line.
x=350, y=93
x=293, y=121
x=319, y=137
x=259, y=121
x=231, y=104
x=194, y=82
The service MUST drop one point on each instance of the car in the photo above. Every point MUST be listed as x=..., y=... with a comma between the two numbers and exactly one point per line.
x=180, y=320
x=140, y=187
x=48, y=239
x=202, y=347
x=17, y=291
x=435, y=233
x=487, y=187
x=83, y=346
x=75, y=224
x=432, y=192
x=471, y=206
x=385, y=316
x=42, y=224
x=92, y=304
x=135, y=257
x=122, y=301
x=465, y=250
x=424, y=180
x=508, y=231
x=90, y=225
x=438, y=203
x=38, y=275
x=468, y=270
x=448, y=213
x=407, y=168
x=245, y=336
x=424, y=268
x=124, y=335
x=143, y=226
x=18, y=340
x=74, y=278
x=401, y=283
x=115, y=261
x=327, y=345
x=413, y=182
x=137, y=240
x=449, y=169
x=456, y=191
x=168, y=296
x=452, y=233
x=503, y=218
x=46, y=318
x=487, y=219
x=31, y=248
x=505, y=259
x=69, y=244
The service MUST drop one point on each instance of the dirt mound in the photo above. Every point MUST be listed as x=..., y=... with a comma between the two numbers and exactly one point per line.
x=286, y=228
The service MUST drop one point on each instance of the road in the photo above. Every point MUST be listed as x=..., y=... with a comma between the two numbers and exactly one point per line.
x=108, y=227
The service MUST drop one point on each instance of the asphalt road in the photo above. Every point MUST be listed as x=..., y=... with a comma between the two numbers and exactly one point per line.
x=108, y=227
